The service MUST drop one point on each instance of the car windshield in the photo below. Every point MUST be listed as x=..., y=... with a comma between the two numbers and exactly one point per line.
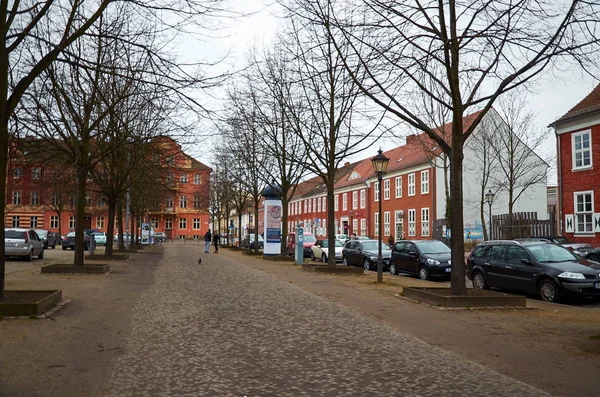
x=71, y=234
x=433, y=247
x=99, y=234
x=309, y=239
x=42, y=233
x=549, y=253
x=374, y=246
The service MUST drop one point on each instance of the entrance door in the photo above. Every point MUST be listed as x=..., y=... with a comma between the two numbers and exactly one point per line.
x=399, y=230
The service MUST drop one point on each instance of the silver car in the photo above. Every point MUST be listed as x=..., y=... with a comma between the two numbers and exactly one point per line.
x=23, y=242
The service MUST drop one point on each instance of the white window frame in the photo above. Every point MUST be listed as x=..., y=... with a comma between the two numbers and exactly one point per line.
x=324, y=204
x=363, y=227
x=54, y=222
x=319, y=204
x=376, y=191
x=33, y=222
x=376, y=224
x=386, y=189
x=196, y=224
x=580, y=228
x=363, y=198
x=183, y=178
x=182, y=223
x=197, y=179
x=36, y=173
x=99, y=222
x=398, y=187
x=336, y=200
x=411, y=184
x=314, y=205
x=412, y=222
x=354, y=200
x=168, y=223
x=386, y=223
x=71, y=222
x=182, y=201
x=154, y=222
x=354, y=225
x=169, y=203
x=425, y=182
x=574, y=151
x=425, y=222
x=35, y=198
x=16, y=221
x=16, y=197
x=345, y=202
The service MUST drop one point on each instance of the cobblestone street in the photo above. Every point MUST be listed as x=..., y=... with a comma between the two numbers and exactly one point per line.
x=225, y=329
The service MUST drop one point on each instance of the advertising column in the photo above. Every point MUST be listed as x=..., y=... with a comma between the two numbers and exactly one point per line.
x=273, y=211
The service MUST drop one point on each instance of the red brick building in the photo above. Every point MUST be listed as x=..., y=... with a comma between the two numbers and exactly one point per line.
x=578, y=148
x=35, y=192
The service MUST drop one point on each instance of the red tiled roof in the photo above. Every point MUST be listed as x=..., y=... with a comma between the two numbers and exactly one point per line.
x=589, y=104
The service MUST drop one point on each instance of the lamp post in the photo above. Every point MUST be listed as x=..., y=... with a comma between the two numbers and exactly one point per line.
x=380, y=163
x=489, y=198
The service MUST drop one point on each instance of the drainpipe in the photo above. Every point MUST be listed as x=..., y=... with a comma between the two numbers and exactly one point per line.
x=559, y=187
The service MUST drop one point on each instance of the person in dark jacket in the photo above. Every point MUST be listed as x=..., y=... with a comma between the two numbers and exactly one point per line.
x=207, y=239
x=216, y=240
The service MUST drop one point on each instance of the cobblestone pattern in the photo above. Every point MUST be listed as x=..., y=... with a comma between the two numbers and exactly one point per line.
x=224, y=329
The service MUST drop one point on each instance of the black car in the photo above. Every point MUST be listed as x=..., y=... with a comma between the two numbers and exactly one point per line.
x=248, y=242
x=48, y=238
x=424, y=258
x=546, y=269
x=594, y=255
x=364, y=253
x=578, y=248
x=69, y=241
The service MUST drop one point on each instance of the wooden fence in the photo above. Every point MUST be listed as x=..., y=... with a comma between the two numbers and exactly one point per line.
x=522, y=224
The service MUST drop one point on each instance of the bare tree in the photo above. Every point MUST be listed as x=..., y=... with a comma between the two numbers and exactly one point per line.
x=474, y=52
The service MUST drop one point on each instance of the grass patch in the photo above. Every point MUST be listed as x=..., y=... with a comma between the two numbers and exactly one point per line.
x=401, y=293
x=33, y=317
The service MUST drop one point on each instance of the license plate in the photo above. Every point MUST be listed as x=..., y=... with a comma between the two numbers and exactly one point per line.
x=597, y=285
x=448, y=269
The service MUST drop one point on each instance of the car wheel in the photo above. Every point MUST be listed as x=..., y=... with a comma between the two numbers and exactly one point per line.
x=423, y=273
x=64, y=248
x=594, y=257
x=393, y=269
x=312, y=256
x=367, y=264
x=345, y=262
x=479, y=281
x=54, y=246
x=29, y=256
x=41, y=255
x=324, y=258
x=548, y=291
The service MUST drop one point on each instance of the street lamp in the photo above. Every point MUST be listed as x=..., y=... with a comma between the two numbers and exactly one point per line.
x=489, y=198
x=380, y=163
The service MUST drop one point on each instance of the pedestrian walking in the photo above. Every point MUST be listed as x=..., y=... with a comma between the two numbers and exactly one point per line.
x=217, y=240
x=92, y=245
x=207, y=240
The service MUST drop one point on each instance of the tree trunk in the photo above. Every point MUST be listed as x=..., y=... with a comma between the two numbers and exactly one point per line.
x=111, y=227
x=256, y=202
x=80, y=214
x=330, y=224
x=457, y=243
x=284, y=225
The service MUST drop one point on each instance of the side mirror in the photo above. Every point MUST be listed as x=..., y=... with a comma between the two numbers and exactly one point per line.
x=526, y=261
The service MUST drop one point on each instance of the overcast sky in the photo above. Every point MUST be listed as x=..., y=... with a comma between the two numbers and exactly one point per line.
x=555, y=94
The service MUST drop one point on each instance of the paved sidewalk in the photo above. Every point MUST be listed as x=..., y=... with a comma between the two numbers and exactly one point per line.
x=226, y=329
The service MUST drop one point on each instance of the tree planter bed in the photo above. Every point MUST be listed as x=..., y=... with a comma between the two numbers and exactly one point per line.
x=281, y=258
x=332, y=270
x=114, y=257
x=28, y=303
x=71, y=269
x=474, y=298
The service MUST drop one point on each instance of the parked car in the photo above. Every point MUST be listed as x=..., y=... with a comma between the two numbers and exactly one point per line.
x=320, y=250
x=100, y=238
x=364, y=253
x=24, y=243
x=579, y=248
x=536, y=267
x=125, y=237
x=309, y=241
x=363, y=237
x=593, y=255
x=160, y=236
x=69, y=241
x=248, y=242
x=48, y=238
x=424, y=258
x=342, y=237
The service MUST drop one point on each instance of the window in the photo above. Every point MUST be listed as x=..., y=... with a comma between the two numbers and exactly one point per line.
x=354, y=200
x=319, y=203
x=16, y=198
x=376, y=191
x=424, y=182
x=54, y=222
x=88, y=201
x=411, y=184
x=386, y=223
x=324, y=204
x=309, y=205
x=100, y=222
x=36, y=173
x=196, y=223
x=386, y=189
x=363, y=200
x=100, y=202
x=335, y=202
x=183, y=178
x=354, y=225
x=182, y=201
x=196, y=202
x=197, y=179
x=376, y=224
x=582, y=149
x=314, y=205
x=344, y=202
x=398, y=187
x=35, y=199
x=169, y=223
x=71, y=222
x=182, y=223
x=170, y=179
x=412, y=222
x=299, y=207
x=33, y=222
x=170, y=160
x=169, y=203
x=363, y=227
x=584, y=212
x=424, y=221
x=18, y=173
x=496, y=252
x=515, y=254
x=154, y=222
x=16, y=221
x=54, y=199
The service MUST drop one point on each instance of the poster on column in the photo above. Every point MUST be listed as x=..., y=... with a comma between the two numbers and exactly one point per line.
x=273, y=211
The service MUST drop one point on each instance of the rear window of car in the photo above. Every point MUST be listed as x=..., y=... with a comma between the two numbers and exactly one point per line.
x=480, y=251
x=14, y=234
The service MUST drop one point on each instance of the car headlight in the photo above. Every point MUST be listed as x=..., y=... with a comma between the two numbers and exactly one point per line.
x=373, y=258
x=432, y=262
x=573, y=276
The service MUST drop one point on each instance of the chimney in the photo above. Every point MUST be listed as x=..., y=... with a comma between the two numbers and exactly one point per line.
x=347, y=163
x=411, y=139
